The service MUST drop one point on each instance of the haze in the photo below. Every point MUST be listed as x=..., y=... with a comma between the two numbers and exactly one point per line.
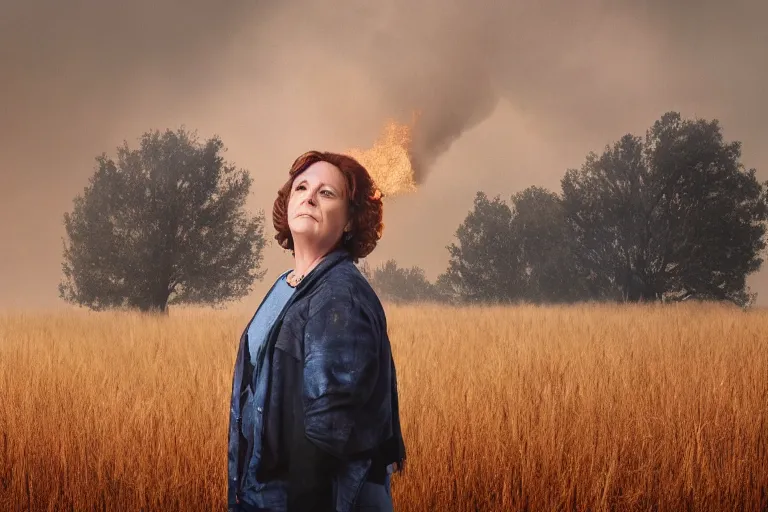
x=512, y=95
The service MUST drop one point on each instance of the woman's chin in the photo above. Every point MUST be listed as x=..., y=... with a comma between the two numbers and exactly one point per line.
x=304, y=233
x=303, y=226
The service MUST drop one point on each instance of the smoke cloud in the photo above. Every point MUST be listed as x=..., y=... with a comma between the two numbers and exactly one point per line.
x=510, y=94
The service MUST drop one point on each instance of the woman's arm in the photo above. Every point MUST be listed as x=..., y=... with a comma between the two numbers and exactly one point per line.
x=310, y=479
x=341, y=361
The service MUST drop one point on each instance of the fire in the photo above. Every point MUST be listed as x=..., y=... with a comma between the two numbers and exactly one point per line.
x=389, y=159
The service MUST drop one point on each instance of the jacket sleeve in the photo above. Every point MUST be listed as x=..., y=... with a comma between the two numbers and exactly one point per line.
x=341, y=352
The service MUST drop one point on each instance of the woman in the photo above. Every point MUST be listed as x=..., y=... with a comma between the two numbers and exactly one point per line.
x=314, y=423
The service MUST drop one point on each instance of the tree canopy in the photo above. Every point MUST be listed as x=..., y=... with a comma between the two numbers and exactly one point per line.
x=670, y=216
x=547, y=250
x=485, y=265
x=162, y=224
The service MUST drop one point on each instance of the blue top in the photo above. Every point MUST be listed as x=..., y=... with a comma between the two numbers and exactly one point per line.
x=268, y=311
x=266, y=314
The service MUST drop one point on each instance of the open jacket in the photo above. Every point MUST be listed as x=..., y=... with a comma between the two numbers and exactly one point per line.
x=330, y=414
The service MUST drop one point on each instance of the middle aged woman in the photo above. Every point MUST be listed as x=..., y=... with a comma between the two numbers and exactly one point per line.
x=314, y=419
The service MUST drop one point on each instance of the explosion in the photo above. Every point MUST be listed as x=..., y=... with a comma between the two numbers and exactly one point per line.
x=389, y=160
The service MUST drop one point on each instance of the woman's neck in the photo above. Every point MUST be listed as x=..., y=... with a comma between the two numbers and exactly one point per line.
x=305, y=259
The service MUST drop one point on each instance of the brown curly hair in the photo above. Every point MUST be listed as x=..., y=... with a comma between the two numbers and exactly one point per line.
x=365, y=206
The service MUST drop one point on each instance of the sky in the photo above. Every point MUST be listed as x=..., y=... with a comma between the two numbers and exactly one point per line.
x=511, y=96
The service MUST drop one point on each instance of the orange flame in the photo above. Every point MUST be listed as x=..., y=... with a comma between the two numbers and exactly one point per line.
x=389, y=159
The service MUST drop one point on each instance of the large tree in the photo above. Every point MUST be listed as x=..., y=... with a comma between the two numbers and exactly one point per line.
x=163, y=224
x=485, y=264
x=547, y=249
x=673, y=216
x=518, y=253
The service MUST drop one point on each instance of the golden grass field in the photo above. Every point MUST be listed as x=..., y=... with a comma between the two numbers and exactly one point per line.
x=660, y=408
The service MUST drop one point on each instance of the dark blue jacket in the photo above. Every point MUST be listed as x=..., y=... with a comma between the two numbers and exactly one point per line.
x=331, y=415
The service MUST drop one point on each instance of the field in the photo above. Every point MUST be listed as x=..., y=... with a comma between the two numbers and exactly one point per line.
x=661, y=408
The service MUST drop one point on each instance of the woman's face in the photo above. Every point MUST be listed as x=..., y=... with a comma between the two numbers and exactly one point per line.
x=318, y=209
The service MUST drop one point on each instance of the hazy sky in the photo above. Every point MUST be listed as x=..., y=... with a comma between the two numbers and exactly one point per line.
x=512, y=95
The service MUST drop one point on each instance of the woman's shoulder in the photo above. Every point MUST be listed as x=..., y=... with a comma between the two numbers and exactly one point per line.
x=346, y=282
x=348, y=275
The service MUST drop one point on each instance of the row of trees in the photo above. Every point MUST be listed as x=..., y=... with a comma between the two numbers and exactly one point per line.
x=668, y=216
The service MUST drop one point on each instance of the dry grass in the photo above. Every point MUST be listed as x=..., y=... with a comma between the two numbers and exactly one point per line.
x=572, y=408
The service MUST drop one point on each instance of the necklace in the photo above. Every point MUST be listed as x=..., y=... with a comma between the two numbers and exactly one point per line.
x=293, y=280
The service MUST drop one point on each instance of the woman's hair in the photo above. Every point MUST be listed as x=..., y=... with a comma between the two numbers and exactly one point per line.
x=363, y=197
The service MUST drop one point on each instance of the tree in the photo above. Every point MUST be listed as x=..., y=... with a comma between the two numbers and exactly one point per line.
x=547, y=251
x=164, y=224
x=670, y=217
x=365, y=268
x=518, y=253
x=485, y=266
